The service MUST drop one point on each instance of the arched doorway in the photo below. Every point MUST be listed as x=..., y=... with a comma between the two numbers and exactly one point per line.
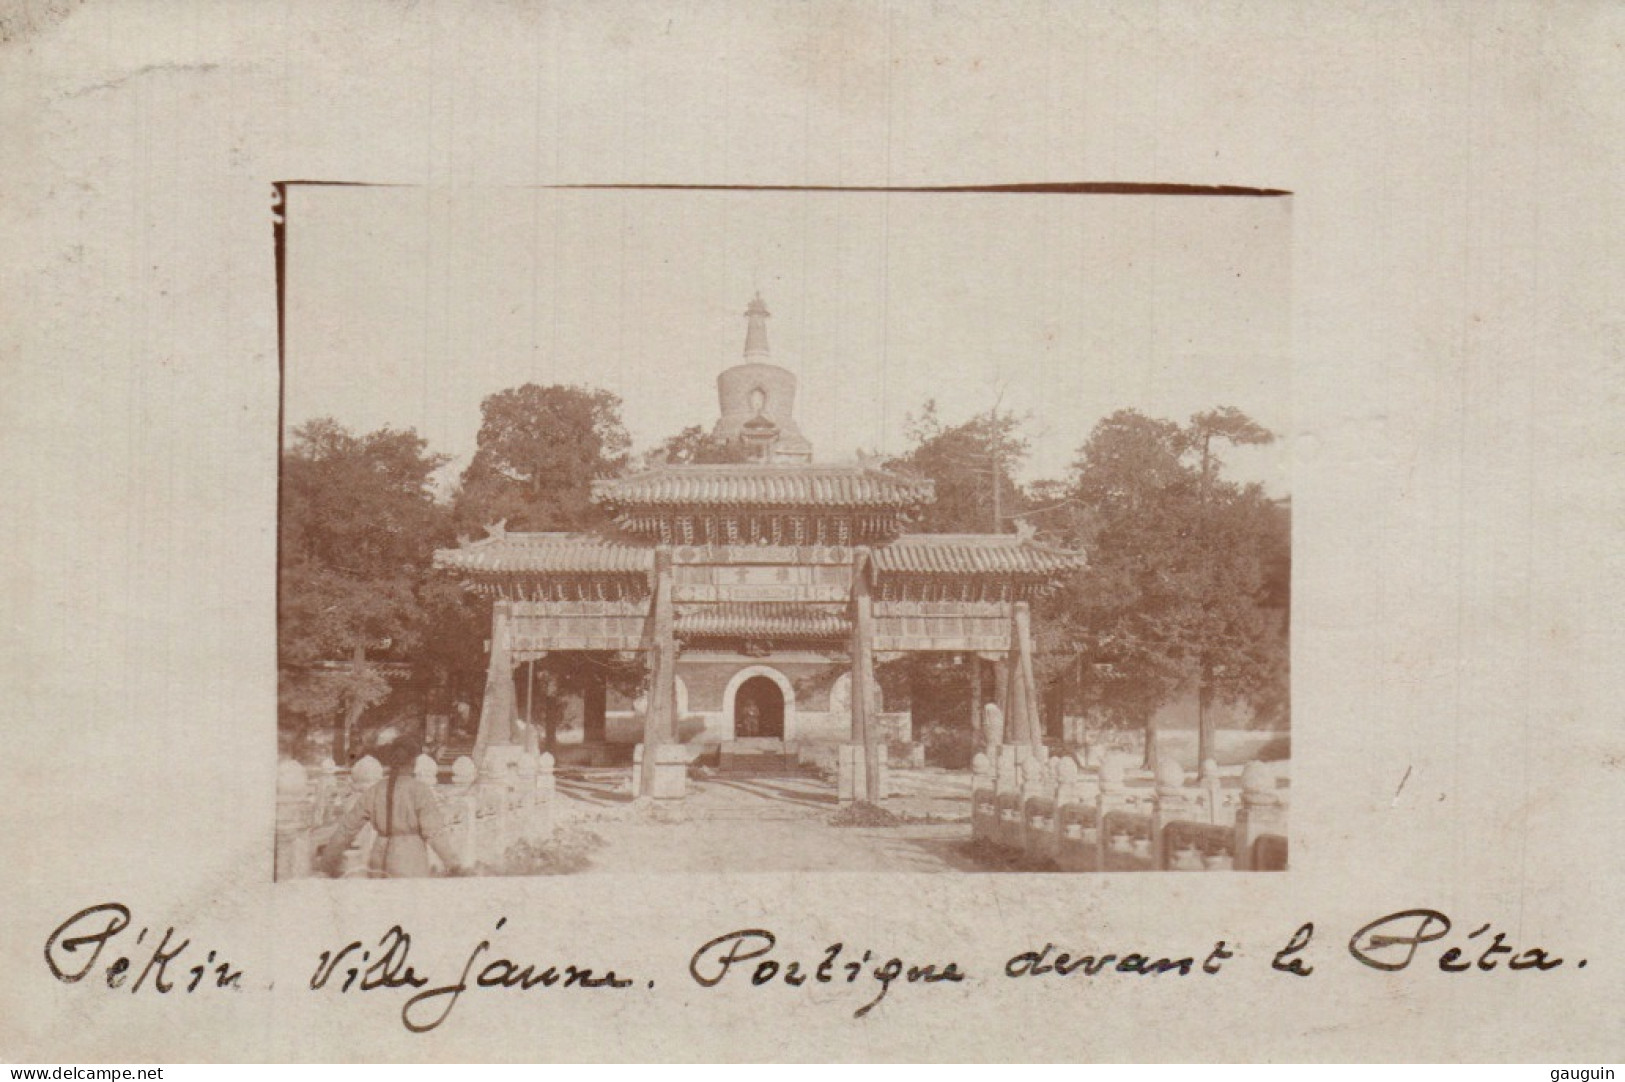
x=758, y=709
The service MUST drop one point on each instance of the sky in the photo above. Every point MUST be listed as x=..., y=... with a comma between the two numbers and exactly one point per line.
x=406, y=306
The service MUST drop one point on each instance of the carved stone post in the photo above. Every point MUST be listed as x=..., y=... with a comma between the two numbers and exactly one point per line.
x=1261, y=812
x=546, y=789
x=1067, y=787
x=984, y=807
x=1172, y=802
x=1113, y=795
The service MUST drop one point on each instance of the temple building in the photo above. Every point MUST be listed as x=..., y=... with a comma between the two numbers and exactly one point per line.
x=761, y=595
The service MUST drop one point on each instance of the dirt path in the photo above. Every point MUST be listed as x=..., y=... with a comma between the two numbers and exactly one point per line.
x=767, y=824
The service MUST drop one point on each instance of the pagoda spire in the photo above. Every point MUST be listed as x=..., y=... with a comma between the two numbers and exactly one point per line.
x=756, y=329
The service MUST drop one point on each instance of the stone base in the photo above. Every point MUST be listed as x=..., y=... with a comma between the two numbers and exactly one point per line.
x=756, y=754
x=599, y=754
x=670, y=780
x=852, y=773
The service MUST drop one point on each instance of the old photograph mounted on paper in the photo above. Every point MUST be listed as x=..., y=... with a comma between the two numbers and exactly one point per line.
x=704, y=530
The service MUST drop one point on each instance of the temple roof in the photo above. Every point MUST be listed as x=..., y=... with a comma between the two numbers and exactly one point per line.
x=912, y=554
x=985, y=554
x=763, y=620
x=859, y=487
x=547, y=553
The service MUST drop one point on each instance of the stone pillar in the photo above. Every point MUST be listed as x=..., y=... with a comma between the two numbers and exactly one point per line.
x=852, y=773
x=977, y=737
x=426, y=770
x=664, y=768
x=1261, y=812
x=497, y=709
x=1001, y=685
x=1026, y=684
x=864, y=735
x=1019, y=719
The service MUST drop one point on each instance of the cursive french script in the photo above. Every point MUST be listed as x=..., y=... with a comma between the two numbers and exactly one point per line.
x=387, y=965
x=78, y=945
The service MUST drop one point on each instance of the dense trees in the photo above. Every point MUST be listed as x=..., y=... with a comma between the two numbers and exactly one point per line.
x=540, y=449
x=695, y=446
x=973, y=464
x=1176, y=598
x=357, y=527
x=1185, y=594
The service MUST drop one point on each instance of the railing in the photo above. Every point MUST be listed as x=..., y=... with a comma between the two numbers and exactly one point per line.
x=1055, y=813
x=1199, y=847
x=486, y=810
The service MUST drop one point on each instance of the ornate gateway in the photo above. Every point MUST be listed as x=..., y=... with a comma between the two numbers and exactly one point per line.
x=762, y=589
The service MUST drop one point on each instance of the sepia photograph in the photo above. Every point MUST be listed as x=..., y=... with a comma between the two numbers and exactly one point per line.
x=704, y=531
x=598, y=531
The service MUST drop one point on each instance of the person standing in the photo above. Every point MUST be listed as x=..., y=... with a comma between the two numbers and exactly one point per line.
x=407, y=817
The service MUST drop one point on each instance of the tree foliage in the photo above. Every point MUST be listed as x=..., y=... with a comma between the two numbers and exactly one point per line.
x=358, y=525
x=1180, y=564
x=539, y=450
x=696, y=446
x=973, y=464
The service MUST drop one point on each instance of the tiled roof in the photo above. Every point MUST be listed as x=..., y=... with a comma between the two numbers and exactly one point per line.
x=986, y=554
x=546, y=553
x=764, y=486
x=764, y=621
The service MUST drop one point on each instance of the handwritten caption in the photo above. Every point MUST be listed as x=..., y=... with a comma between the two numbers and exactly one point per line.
x=98, y=941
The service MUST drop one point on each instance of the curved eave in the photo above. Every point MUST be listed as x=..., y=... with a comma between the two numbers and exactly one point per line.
x=545, y=556
x=763, y=488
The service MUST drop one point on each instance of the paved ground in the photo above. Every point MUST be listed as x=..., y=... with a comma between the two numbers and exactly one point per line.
x=768, y=824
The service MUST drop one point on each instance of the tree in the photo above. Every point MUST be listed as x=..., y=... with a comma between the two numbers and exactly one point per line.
x=543, y=686
x=539, y=450
x=1174, y=594
x=972, y=464
x=694, y=446
x=357, y=529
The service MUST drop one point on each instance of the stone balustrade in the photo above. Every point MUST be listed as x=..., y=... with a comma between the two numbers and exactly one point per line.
x=1057, y=812
x=510, y=798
